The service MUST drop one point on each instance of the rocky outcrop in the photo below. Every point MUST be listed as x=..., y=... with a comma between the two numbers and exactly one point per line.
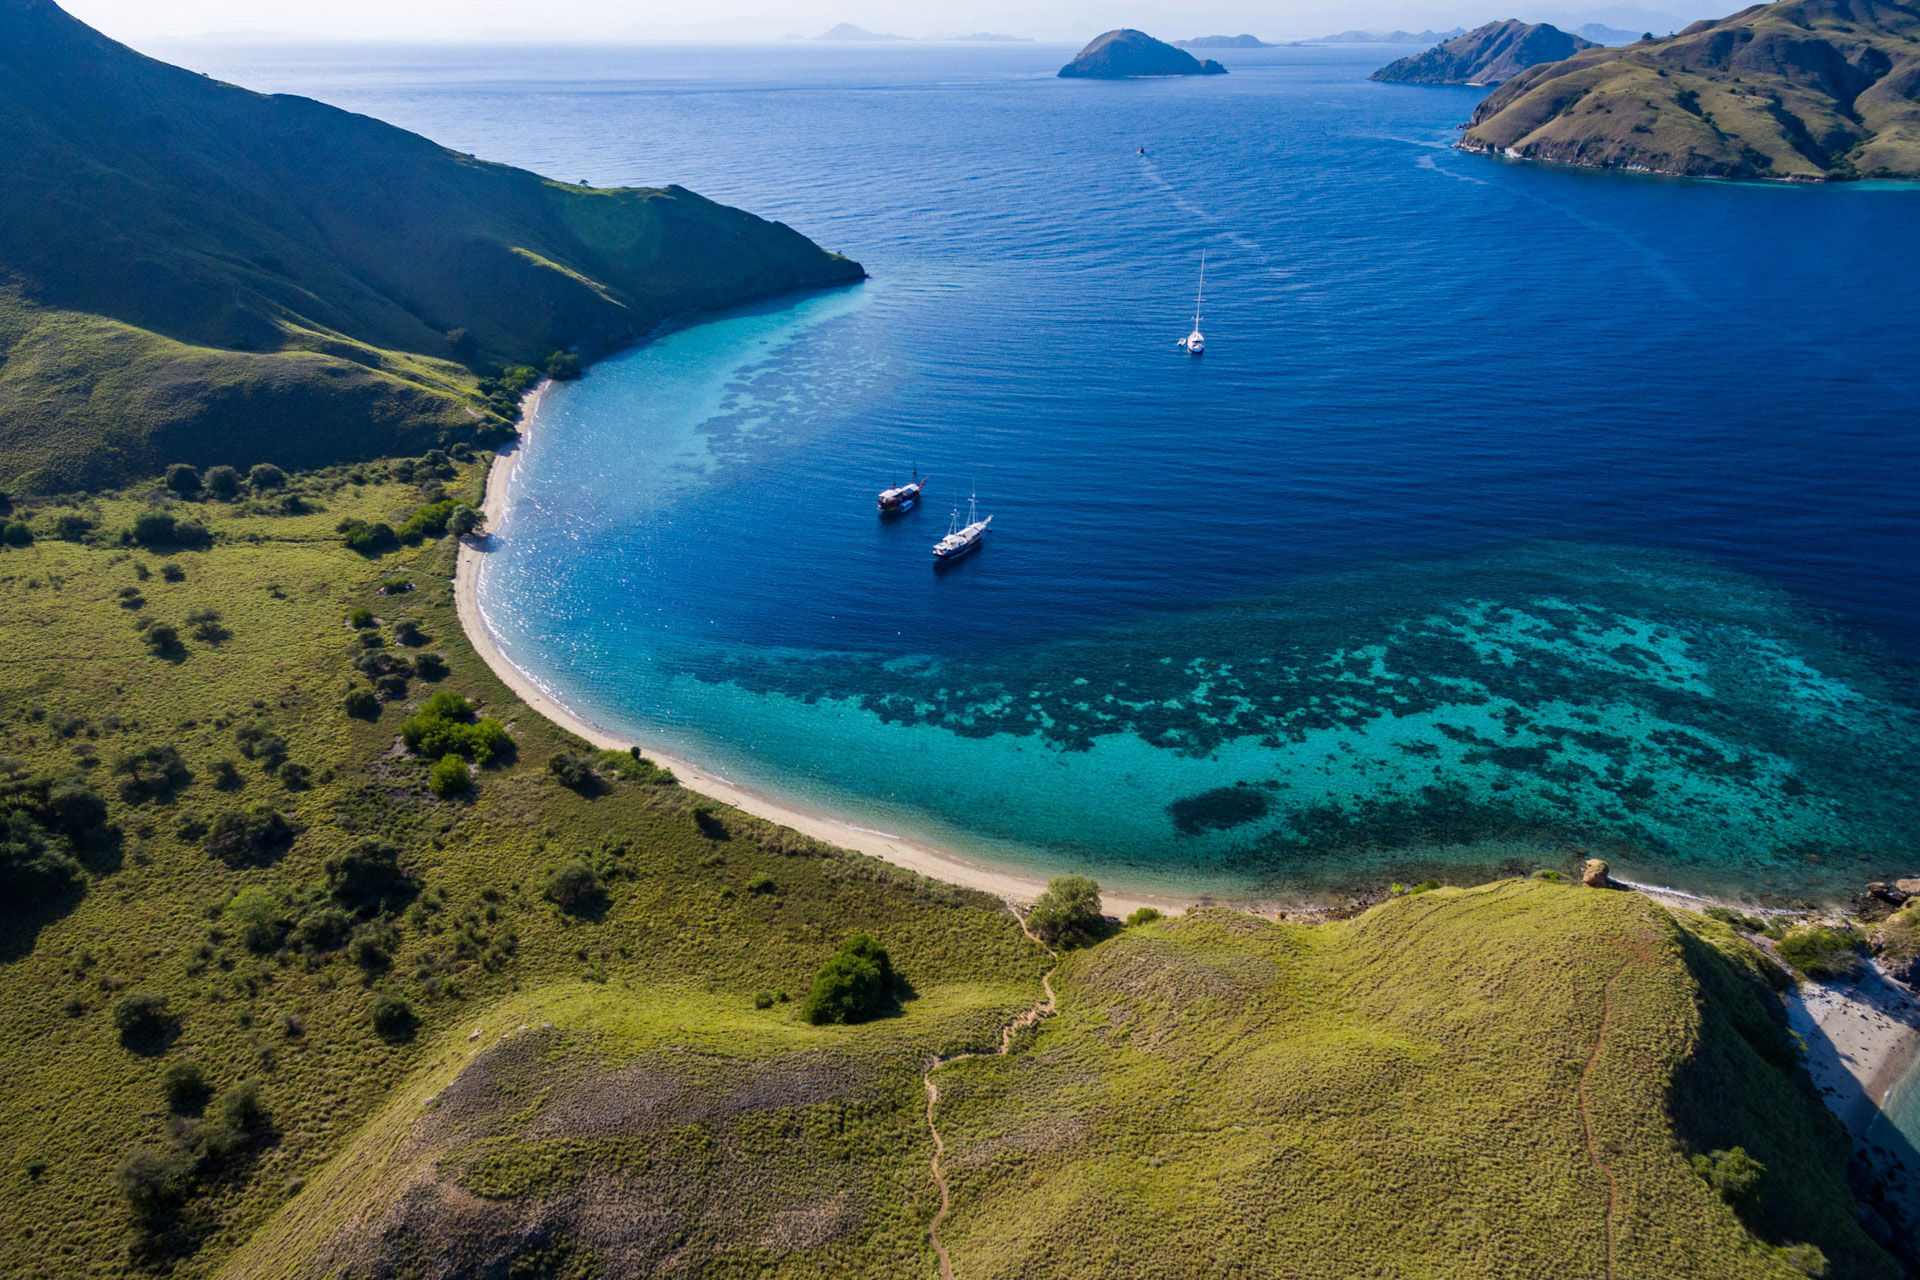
x=1802, y=90
x=1489, y=55
x=1126, y=54
x=1596, y=874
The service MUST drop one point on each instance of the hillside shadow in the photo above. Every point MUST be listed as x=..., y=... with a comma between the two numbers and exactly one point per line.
x=22, y=920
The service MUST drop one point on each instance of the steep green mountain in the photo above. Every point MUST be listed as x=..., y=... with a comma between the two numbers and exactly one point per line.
x=1491, y=54
x=1802, y=90
x=1124, y=53
x=192, y=271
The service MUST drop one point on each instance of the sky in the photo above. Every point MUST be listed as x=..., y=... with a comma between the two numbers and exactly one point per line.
x=1071, y=21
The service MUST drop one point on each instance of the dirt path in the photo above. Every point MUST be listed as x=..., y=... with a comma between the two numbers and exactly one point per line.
x=1027, y=1018
x=1586, y=1117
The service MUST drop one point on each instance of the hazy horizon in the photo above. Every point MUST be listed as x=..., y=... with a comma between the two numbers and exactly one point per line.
x=1064, y=21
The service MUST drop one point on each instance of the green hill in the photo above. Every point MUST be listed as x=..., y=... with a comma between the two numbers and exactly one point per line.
x=190, y=271
x=1804, y=90
x=1489, y=55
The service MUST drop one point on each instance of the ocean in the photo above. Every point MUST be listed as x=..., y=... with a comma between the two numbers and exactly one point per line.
x=1513, y=515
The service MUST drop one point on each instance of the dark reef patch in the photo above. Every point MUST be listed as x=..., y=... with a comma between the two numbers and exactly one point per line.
x=1219, y=809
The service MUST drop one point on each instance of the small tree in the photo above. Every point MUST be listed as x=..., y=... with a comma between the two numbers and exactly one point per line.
x=263, y=925
x=1736, y=1175
x=266, y=476
x=573, y=886
x=185, y=1087
x=71, y=527
x=183, y=479
x=563, y=366
x=464, y=521
x=17, y=533
x=163, y=637
x=154, y=1180
x=449, y=777
x=361, y=704
x=368, y=878
x=1069, y=911
x=391, y=1016
x=143, y=1017
x=856, y=984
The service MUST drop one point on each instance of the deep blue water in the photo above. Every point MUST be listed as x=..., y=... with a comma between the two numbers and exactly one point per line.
x=1512, y=512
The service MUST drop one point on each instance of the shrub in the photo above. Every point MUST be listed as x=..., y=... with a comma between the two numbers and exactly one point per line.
x=34, y=865
x=573, y=886
x=372, y=945
x=408, y=633
x=183, y=479
x=430, y=667
x=391, y=1016
x=71, y=527
x=266, y=476
x=710, y=824
x=172, y=572
x=259, y=742
x=1823, y=952
x=396, y=586
x=1068, y=912
x=163, y=637
x=263, y=926
x=449, y=776
x=634, y=767
x=572, y=772
x=1738, y=919
x=1736, y=1175
x=151, y=772
x=1144, y=915
x=17, y=533
x=76, y=809
x=323, y=928
x=362, y=704
x=207, y=627
x=239, y=1107
x=226, y=776
x=856, y=984
x=464, y=521
x=368, y=878
x=763, y=999
x=446, y=726
x=185, y=1087
x=360, y=619
x=368, y=539
x=1804, y=1258
x=154, y=1179
x=760, y=883
x=160, y=529
x=222, y=482
x=392, y=686
x=240, y=836
x=295, y=777
x=143, y=1016
x=563, y=366
x=430, y=521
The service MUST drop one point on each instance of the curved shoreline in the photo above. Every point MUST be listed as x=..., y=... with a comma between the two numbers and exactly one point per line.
x=939, y=864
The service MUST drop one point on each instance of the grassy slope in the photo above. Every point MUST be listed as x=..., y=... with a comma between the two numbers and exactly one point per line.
x=1397, y=1095
x=197, y=272
x=1493, y=53
x=1802, y=89
x=80, y=687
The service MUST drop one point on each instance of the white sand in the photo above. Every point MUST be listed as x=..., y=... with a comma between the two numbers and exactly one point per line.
x=936, y=863
x=1862, y=1037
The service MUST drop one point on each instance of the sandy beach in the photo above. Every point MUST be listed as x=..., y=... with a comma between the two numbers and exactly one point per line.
x=1862, y=1037
x=936, y=863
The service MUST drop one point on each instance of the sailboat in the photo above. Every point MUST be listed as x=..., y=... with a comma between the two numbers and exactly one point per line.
x=962, y=540
x=902, y=498
x=1194, y=342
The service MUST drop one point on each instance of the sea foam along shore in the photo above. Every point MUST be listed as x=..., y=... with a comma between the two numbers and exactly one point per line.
x=915, y=856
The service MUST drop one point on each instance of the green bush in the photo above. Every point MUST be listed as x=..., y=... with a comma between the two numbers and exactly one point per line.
x=361, y=704
x=35, y=865
x=368, y=878
x=1738, y=919
x=143, y=1016
x=1823, y=952
x=71, y=527
x=464, y=521
x=631, y=766
x=430, y=521
x=368, y=539
x=76, y=809
x=760, y=882
x=1144, y=915
x=262, y=923
x=763, y=999
x=323, y=929
x=240, y=836
x=360, y=619
x=573, y=886
x=222, y=482
x=563, y=366
x=160, y=529
x=259, y=742
x=185, y=1088
x=372, y=945
x=154, y=1180
x=1068, y=912
x=446, y=726
x=572, y=772
x=266, y=476
x=17, y=533
x=449, y=777
x=858, y=983
x=408, y=633
x=1736, y=1175
x=183, y=479
x=391, y=1016
x=163, y=637
x=151, y=772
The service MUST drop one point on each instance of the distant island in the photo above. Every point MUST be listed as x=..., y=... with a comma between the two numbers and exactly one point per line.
x=1224, y=42
x=1125, y=54
x=1803, y=90
x=1600, y=33
x=198, y=273
x=1490, y=55
x=851, y=34
x=1387, y=37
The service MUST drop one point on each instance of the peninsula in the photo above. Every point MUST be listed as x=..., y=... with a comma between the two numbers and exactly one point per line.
x=198, y=273
x=1487, y=55
x=1126, y=54
x=1803, y=90
x=1224, y=42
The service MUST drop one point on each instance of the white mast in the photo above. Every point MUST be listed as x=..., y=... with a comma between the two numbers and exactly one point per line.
x=1201, y=293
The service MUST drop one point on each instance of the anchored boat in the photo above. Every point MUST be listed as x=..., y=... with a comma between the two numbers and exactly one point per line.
x=962, y=540
x=1194, y=342
x=903, y=497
